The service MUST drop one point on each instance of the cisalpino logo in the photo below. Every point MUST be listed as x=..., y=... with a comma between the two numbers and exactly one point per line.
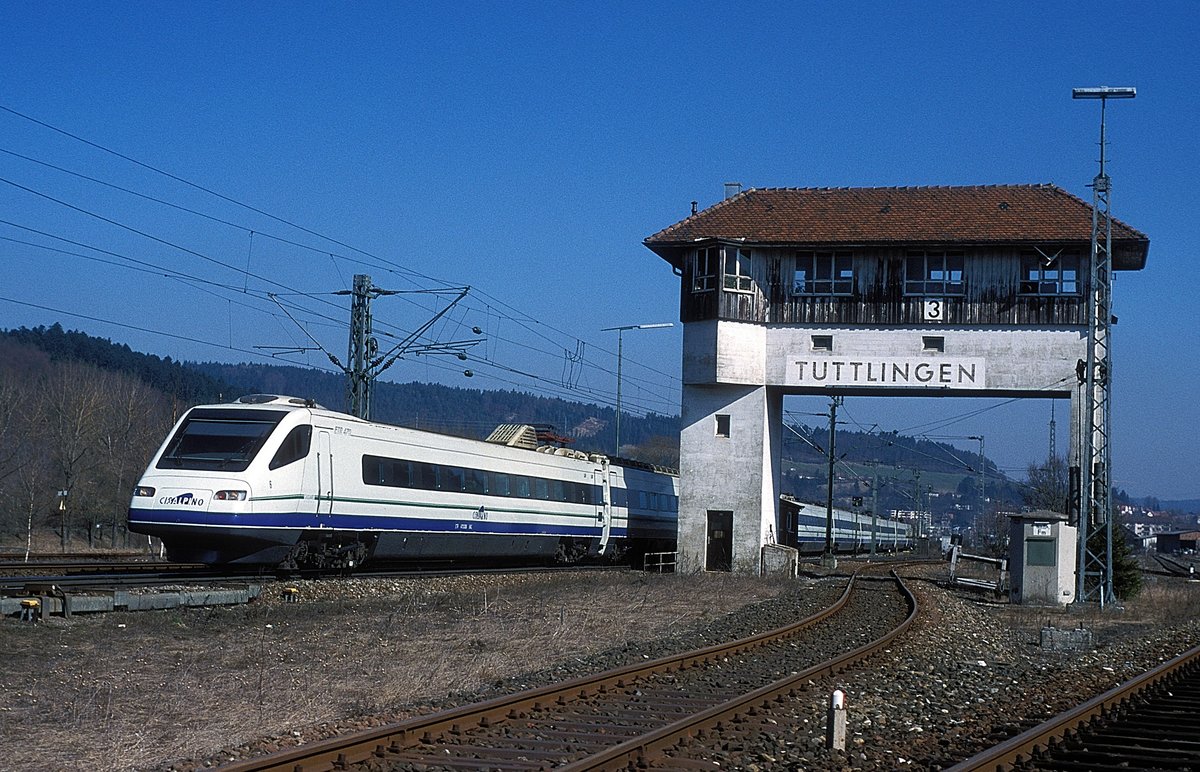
x=182, y=500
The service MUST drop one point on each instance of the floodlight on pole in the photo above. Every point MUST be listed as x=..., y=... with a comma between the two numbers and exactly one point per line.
x=620, y=332
x=1095, y=376
x=1104, y=92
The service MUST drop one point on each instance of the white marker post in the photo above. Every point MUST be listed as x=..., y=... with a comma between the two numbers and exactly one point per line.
x=835, y=733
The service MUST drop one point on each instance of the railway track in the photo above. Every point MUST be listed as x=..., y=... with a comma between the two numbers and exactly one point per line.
x=668, y=712
x=1151, y=722
x=138, y=574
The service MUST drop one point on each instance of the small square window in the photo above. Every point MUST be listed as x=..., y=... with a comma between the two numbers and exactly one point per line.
x=722, y=425
x=1040, y=552
x=822, y=343
x=933, y=343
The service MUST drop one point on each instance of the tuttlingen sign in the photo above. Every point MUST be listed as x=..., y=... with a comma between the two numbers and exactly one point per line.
x=924, y=372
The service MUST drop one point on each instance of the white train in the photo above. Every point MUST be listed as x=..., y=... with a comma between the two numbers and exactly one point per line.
x=281, y=481
x=803, y=526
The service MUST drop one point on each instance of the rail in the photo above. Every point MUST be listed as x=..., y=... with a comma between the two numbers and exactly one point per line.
x=1030, y=744
x=340, y=752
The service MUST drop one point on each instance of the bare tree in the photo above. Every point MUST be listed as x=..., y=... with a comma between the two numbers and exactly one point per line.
x=10, y=443
x=133, y=423
x=32, y=495
x=1047, y=486
x=19, y=421
x=73, y=398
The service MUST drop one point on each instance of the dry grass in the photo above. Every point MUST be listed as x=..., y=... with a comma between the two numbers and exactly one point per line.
x=1161, y=603
x=137, y=691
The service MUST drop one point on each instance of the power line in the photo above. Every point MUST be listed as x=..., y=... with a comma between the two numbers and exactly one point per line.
x=525, y=321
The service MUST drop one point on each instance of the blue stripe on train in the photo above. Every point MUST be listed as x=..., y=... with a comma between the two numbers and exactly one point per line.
x=149, y=517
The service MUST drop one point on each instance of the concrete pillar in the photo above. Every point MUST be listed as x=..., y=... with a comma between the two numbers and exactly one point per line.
x=730, y=459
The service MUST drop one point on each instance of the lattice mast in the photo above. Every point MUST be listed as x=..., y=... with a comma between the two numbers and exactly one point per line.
x=363, y=347
x=365, y=362
x=1095, y=574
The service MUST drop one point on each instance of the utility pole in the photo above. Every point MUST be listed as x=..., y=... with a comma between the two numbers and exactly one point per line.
x=1053, y=450
x=920, y=512
x=620, y=333
x=1094, y=575
x=360, y=384
x=828, y=559
x=364, y=362
x=982, y=485
x=874, y=505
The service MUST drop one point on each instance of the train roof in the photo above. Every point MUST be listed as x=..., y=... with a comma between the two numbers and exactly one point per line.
x=277, y=399
x=524, y=436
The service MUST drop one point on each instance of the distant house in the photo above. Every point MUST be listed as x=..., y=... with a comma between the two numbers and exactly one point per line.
x=1172, y=542
x=1139, y=537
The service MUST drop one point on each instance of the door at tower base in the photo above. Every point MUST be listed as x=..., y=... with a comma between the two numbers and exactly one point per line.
x=719, y=551
x=918, y=372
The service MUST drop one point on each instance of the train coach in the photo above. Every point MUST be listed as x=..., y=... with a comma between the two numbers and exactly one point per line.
x=803, y=526
x=280, y=481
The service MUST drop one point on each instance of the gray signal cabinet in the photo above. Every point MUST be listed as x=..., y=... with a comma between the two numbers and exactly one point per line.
x=1042, y=553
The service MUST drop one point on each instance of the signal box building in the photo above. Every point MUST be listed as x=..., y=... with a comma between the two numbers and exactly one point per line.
x=912, y=291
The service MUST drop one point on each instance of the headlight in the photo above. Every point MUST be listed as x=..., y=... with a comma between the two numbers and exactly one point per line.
x=143, y=490
x=230, y=496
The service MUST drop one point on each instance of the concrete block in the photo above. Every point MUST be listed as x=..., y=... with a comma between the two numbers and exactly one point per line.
x=152, y=601
x=780, y=561
x=218, y=596
x=1079, y=639
x=85, y=604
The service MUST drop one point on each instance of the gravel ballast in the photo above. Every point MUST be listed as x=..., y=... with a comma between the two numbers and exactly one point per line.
x=188, y=689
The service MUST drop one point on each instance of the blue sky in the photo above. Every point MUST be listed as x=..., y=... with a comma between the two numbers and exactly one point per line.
x=526, y=149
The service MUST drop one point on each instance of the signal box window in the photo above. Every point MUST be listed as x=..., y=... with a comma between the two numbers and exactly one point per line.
x=738, y=269
x=1057, y=275
x=934, y=273
x=722, y=425
x=704, y=269
x=823, y=273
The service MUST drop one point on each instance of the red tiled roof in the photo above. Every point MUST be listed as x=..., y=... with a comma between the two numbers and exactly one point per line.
x=978, y=214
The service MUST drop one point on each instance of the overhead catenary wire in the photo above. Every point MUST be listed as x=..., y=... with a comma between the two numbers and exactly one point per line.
x=530, y=324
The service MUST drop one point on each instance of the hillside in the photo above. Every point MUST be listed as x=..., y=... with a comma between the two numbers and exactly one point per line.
x=84, y=414
x=475, y=412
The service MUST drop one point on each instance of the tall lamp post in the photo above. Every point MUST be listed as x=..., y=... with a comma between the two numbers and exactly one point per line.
x=620, y=332
x=1095, y=506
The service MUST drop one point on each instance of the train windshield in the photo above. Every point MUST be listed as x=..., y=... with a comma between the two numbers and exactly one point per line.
x=215, y=438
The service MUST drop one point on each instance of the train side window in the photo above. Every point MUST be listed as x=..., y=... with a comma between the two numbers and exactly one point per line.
x=374, y=470
x=294, y=447
x=541, y=489
x=427, y=477
x=498, y=484
x=522, y=486
x=476, y=481
x=451, y=479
